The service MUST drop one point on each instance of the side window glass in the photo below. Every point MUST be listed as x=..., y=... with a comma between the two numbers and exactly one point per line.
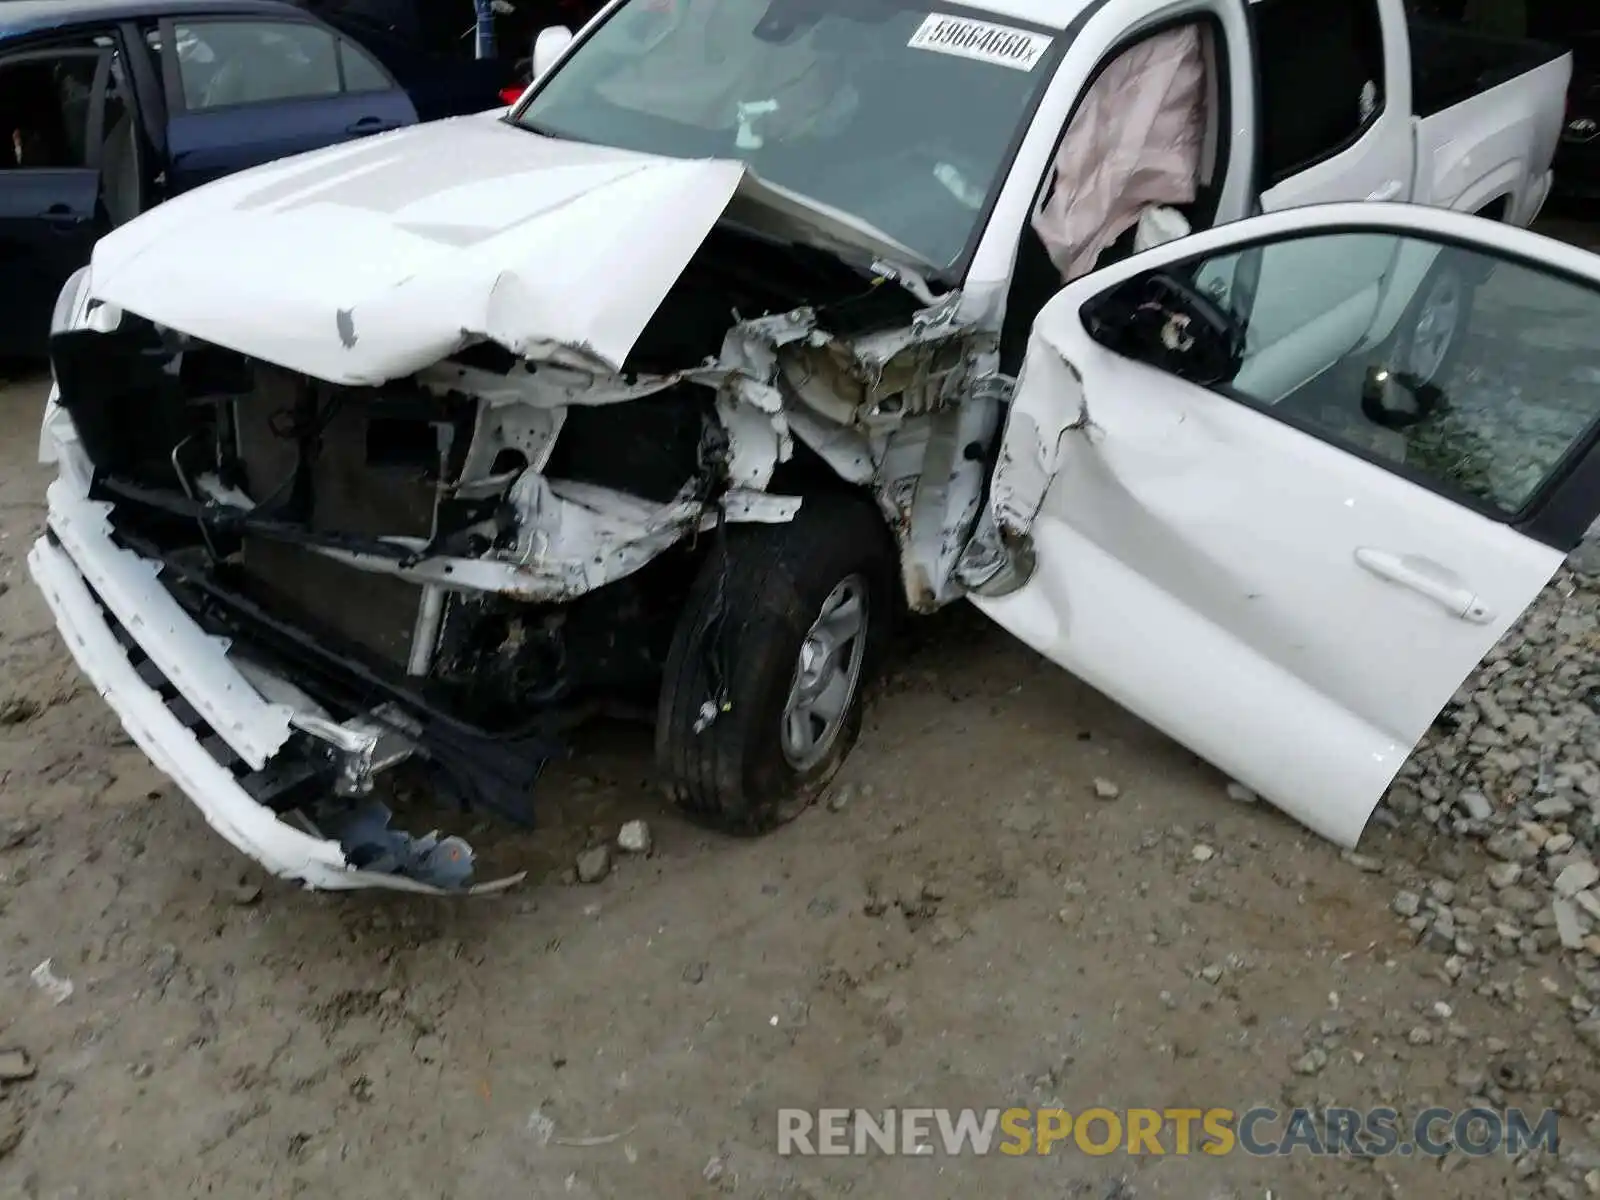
x=361, y=74
x=45, y=107
x=1321, y=67
x=226, y=63
x=1464, y=372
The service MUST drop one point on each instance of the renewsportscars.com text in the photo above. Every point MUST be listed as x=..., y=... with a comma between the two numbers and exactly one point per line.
x=1366, y=1133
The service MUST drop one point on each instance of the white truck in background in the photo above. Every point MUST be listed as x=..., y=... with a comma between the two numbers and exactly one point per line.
x=1467, y=121
x=679, y=377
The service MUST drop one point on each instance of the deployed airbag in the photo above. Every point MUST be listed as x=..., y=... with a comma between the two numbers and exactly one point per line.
x=1134, y=142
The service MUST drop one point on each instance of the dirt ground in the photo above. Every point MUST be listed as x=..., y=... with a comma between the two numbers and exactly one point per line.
x=972, y=926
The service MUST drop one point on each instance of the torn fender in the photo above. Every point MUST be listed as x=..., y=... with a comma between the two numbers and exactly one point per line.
x=1047, y=404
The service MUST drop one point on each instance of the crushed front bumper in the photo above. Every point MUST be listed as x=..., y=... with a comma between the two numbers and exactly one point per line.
x=179, y=693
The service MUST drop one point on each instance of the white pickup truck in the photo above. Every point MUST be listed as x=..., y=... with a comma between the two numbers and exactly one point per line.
x=756, y=323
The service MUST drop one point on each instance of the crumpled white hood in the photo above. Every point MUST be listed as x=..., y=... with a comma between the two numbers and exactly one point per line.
x=372, y=260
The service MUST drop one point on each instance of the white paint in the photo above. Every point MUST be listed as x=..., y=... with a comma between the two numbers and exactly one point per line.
x=980, y=41
x=372, y=260
x=1493, y=144
x=1508, y=134
x=207, y=679
x=194, y=662
x=420, y=240
x=377, y=259
x=1202, y=563
x=248, y=826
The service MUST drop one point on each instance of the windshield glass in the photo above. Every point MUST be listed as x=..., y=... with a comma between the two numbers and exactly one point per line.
x=902, y=116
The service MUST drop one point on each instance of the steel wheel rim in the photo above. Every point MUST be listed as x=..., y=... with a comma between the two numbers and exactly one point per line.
x=1435, y=330
x=826, y=675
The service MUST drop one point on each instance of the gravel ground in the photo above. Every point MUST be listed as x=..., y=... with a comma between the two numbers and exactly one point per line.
x=1021, y=896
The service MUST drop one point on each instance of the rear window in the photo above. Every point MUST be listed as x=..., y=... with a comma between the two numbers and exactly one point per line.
x=226, y=63
x=1321, y=79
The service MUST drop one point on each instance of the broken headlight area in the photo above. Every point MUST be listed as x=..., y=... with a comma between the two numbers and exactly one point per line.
x=402, y=556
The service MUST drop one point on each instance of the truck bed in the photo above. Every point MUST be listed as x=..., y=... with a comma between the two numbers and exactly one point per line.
x=1450, y=65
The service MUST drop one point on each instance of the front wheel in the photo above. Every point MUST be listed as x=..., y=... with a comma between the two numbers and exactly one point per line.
x=762, y=695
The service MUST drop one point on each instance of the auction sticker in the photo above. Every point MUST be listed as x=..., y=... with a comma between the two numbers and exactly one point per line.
x=999, y=45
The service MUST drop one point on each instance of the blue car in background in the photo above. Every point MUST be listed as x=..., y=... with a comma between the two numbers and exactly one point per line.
x=430, y=45
x=108, y=107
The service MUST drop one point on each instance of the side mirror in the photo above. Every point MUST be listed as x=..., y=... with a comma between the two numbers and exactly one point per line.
x=1394, y=400
x=1164, y=322
x=550, y=45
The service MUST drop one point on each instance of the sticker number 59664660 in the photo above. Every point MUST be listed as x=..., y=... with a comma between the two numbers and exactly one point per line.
x=1001, y=45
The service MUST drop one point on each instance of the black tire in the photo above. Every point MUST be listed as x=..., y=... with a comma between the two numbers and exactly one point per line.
x=748, y=614
x=1450, y=275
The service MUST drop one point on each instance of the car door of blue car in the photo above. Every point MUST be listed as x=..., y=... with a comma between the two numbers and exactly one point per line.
x=243, y=91
x=52, y=117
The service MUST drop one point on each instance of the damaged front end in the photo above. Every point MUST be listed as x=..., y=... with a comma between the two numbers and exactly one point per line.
x=287, y=585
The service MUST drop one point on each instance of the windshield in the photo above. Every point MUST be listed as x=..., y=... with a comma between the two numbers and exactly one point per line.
x=903, y=117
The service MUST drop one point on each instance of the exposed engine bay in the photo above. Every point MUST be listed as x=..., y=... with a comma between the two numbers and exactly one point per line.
x=449, y=569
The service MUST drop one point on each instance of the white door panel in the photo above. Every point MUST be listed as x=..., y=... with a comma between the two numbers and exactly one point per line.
x=1302, y=281
x=1310, y=302
x=1294, y=599
x=1375, y=162
x=1380, y=163
x=1198, y=563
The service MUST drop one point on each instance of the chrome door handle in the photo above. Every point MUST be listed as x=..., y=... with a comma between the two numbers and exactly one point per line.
x=1426, y=578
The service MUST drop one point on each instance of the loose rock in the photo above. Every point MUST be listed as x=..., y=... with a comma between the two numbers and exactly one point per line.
x=1554, y=808
x=245, y=894
x=1569, y=925
x=635, y=838
x=1503, y=875
x=594, y=864
x=1311, y=1062
x=1476, y=805
x=1578, y=877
